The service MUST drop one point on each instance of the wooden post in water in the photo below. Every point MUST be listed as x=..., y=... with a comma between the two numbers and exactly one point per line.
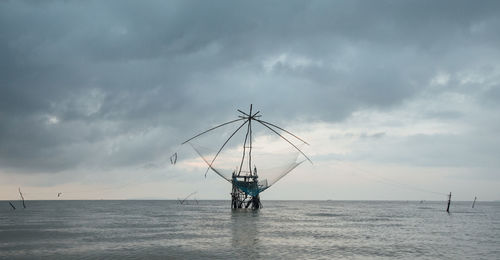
x=14, y=208
x=449, y=201
x=474, y=202
x=22, y=197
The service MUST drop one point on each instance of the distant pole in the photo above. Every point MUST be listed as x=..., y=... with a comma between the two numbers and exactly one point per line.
x=22, y=197
x=449, y=201
x=14, y=208
x=474, y=202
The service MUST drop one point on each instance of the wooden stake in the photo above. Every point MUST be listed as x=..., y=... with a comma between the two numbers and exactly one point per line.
x=474, y=202
x=22, y=197
x=185, y=199
x=14, y=208
x=449, y=201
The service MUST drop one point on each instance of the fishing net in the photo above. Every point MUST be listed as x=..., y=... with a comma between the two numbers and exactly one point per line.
x=271, y=158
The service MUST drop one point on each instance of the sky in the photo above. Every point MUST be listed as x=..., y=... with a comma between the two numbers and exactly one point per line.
x=399, y=100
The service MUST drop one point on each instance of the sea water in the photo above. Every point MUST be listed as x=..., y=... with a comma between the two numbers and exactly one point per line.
x=282, y=229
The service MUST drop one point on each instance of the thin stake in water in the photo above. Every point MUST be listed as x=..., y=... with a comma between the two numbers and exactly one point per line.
x=449, y=201
x=22, y=197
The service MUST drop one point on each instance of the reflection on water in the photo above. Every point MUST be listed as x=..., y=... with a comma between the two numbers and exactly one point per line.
x=245, y=232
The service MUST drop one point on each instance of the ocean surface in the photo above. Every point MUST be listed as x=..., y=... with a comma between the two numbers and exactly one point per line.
x=282, y=229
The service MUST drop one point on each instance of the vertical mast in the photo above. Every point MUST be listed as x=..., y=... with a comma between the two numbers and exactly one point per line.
x=250, y=141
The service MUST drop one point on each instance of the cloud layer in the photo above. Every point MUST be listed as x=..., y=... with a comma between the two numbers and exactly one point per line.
x=118, y=84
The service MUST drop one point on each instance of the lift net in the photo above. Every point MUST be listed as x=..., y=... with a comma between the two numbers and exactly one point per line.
x=271, y=157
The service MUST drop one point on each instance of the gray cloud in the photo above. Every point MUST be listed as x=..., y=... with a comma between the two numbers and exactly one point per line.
x=116, y=84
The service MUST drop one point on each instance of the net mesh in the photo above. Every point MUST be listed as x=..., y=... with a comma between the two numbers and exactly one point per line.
x=271, y=157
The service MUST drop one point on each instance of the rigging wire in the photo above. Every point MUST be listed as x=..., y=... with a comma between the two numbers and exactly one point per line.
x=286, y=140
x=267, y=123
x=388, y=181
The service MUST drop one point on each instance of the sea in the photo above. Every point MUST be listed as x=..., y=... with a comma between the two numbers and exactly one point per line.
x=165, y=229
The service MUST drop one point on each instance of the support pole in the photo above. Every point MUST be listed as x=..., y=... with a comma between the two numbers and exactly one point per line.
x=474, y=202
x=22, y=197
x=449, y=201
x=222, y=147
x=250, y=142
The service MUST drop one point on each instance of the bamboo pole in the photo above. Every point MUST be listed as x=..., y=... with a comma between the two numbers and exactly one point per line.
x=267, y=123
x=285, y=140
x=212, y=129
x=222, y=147
x=449, y=201
x=22, y=197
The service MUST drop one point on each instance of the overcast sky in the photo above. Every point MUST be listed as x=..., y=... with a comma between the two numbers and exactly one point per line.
x=398, y=99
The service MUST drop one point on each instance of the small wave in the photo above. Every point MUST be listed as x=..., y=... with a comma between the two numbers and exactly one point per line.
x=325, y=215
